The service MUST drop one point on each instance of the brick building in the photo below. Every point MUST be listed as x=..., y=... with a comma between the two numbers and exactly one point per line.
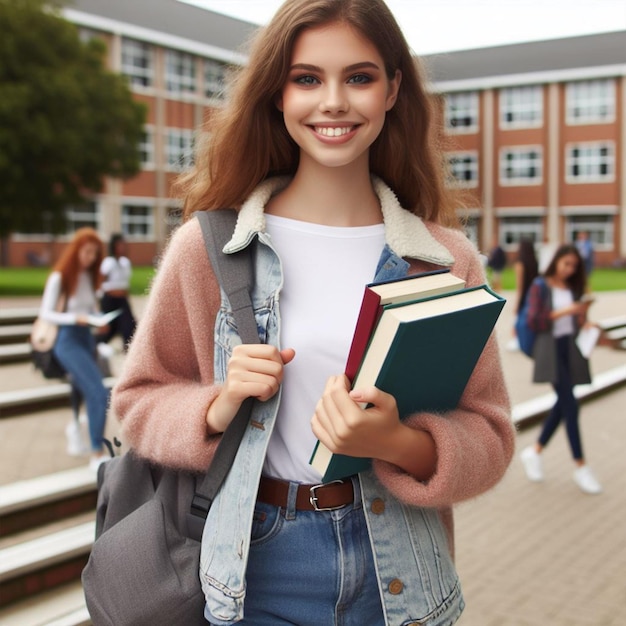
x=533, y=132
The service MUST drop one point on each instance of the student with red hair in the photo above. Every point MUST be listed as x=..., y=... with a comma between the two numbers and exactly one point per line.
x=69, y=298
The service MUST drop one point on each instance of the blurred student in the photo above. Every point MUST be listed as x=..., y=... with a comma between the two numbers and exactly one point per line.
x=496, y=263
x=116, y=270
x=68, y=299
x=556, y=314
x=585, y=248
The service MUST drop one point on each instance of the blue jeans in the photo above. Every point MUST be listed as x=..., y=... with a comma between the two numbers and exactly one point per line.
x=566, y=406
x=311, y=568
x=75, y=350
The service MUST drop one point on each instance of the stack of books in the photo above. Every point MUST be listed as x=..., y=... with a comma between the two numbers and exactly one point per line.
x=419, y=339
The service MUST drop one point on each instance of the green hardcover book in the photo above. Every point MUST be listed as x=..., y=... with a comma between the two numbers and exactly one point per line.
x=423, y=353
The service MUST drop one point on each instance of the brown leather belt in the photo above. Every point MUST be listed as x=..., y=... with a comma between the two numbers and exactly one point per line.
x=325, y=497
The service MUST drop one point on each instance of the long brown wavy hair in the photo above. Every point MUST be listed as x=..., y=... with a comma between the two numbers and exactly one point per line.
x=69, y=265
x=246, y=141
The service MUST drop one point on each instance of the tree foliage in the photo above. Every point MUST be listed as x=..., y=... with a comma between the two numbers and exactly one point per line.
x=66, y=122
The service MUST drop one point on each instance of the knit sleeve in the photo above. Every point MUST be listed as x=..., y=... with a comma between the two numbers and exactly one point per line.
x=166, y=385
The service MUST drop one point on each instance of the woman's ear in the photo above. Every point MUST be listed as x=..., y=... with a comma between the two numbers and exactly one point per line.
x=394, y=87
x=278, y=101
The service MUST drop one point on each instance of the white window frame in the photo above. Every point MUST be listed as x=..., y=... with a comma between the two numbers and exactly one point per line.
x=129, y=221
x=511, y=230
x=147, y=148
x=138, y=60
x=601, y=229
x=180, y=72
x=461, y=105
x=179, y=149
x=521, y=107
x=87, y=214
x=521, y=160
x=590, y=161
x=468, y=159
x=214, y=76
x=590, y=102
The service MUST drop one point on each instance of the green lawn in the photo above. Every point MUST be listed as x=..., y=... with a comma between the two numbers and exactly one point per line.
x=29, y=281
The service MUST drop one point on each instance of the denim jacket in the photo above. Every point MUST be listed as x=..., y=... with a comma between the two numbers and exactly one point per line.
x=417, y=578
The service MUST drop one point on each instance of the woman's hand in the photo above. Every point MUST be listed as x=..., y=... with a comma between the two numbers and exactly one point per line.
x=343, y=424
x=254, y=370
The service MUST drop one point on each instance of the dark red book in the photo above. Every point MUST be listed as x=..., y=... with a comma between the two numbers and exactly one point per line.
x=377, y=295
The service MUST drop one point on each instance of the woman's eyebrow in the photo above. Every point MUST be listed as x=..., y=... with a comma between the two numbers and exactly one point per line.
x=349, y=68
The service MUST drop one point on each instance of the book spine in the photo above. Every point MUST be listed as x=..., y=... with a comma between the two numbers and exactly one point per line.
x=370, y=312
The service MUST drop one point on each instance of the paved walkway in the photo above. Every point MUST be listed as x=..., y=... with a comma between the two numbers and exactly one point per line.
x=528, y=554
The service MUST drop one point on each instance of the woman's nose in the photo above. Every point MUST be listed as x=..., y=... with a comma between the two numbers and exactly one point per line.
x=334, y=100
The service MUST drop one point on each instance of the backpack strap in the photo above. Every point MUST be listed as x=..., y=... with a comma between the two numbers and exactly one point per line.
x=234, y=273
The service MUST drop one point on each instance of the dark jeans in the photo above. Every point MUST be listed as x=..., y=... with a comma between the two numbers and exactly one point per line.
x=123, y=325
x=566, y=407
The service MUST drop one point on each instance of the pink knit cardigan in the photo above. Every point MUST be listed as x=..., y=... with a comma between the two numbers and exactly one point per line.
x=166, y=386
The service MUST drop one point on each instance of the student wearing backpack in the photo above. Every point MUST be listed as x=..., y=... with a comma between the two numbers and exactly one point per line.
x=324, y=147
x=556, y=315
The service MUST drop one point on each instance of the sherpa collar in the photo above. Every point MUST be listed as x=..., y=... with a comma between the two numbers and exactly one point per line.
x=405, y=232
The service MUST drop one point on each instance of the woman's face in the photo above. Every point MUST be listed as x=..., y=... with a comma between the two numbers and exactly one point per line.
x=87, y=254
x=566, y=266
x=336, y=95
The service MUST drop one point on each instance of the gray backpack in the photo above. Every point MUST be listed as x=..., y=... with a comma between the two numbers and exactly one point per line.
x=143, y=567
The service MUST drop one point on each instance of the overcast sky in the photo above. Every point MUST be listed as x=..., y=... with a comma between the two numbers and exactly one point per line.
x=443, y=25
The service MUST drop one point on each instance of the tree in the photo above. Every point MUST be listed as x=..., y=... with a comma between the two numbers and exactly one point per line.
x=66, y=122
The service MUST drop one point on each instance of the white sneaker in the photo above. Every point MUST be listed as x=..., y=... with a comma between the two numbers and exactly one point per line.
x=76, y=446
x=105, y=350
x=533, y=464
x=584, y=478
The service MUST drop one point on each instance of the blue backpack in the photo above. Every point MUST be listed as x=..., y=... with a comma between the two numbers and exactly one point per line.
x=525, y=335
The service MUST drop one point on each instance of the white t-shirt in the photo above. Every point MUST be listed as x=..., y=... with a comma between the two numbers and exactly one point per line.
x=116, y=273
x=325, y=270
x=563, y=325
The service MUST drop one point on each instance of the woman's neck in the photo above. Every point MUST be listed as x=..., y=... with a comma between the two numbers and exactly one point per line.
x=341, y=196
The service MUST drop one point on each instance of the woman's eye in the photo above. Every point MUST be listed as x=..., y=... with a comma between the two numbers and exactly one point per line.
x=359, y=79
x=306, y=80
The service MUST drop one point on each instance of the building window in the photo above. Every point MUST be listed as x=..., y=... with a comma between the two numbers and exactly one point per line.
x=81, y=216
x=146, y=149
x=214, y=78
x=590, y=102
x=138, y=62
x=180, y=72
x=591, y=162
x=179, y=148
x=463, y=169
x=513, y=229
x=599, y=227
x=521, y=107
x=461, y=112
x=521, y=165
x=137, y=221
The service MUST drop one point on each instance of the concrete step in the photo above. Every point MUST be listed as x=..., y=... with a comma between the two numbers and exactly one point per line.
x=27, y=504
x=63, y=606
x=14, y=353
x=14, y=333
x=44, y=562
x=18, y=315
x=22, y=401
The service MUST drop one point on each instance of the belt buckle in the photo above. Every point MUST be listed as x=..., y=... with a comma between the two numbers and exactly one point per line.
x=313, y=496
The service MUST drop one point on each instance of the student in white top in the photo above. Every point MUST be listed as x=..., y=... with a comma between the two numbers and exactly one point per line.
x=69, y=298
x=557, y=317
x=116, y=270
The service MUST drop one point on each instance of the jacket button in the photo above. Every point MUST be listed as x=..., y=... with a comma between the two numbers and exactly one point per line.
x=378, y=506
x=396, y=586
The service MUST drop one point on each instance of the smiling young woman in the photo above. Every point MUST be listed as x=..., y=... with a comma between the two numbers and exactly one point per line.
x=325, y=148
